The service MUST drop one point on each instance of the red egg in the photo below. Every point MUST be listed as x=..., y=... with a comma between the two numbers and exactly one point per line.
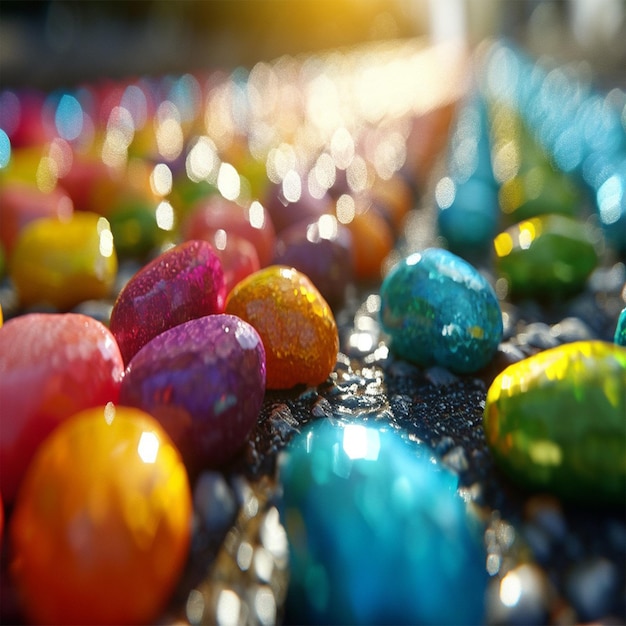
x=21, y=204
x=51, y=366
x=215, y=212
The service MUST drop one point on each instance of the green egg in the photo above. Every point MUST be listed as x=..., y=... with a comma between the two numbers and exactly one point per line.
x=556, y=422
x=546, y=257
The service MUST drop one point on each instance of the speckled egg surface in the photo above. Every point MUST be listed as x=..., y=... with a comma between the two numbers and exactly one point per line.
x=204, y=380
x=439, y=310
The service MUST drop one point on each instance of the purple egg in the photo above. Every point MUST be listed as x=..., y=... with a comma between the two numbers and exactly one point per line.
x=204, y=381
x=321, y=249
x=286, y=207
x=182, y=284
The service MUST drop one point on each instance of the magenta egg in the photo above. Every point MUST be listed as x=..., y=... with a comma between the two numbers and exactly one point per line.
x=204, y=381
x=181, y=284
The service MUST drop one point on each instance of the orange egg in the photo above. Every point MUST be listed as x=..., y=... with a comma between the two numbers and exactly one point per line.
x=101, y=526
x=295, y=323
x=372, y=241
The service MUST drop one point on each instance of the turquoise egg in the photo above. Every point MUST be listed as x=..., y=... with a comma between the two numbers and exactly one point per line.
x=620, y=329
x=377, y=533
x=438, y=309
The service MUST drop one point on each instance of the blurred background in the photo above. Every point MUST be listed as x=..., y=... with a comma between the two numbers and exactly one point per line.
x=53, y=43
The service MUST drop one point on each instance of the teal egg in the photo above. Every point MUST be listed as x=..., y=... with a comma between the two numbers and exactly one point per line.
x=377, y=533
x=620, y=329
x=439, y=310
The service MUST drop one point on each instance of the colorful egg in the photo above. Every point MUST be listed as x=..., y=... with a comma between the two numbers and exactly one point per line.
x=22, y=204
x=556, y=421
x=204, y=380
x=64, y=262
x=51, y=366
x=377, y=532
x=181, y=284
x=294, y=321
x=101, y=528
x=439, y=310
x=546, y=257
x=322, y=250
x=216, y=213
x=620, y=329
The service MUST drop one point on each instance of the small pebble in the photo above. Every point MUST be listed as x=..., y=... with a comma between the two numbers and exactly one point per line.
x=521, y=597
x=592, y=587
x=439, y=310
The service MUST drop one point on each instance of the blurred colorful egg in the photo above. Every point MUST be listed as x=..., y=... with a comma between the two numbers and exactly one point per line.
x=322, y=250
x=21, y=204
x=546, y=257
x=216, y=213
x=64, y=262
x=377, y=532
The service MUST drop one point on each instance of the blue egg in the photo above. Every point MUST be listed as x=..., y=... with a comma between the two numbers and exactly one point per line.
x=377, y=533
x=439, y=310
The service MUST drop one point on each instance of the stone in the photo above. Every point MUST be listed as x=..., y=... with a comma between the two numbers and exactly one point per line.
x=204, y=381
x=51, y=366
x=294, y=321
x=64, y=262
x=620, y=329
x=556, y=421
x=547, y=257
x=439, y=310
x=100, y=531
x=181, y=284
x=377, y=532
